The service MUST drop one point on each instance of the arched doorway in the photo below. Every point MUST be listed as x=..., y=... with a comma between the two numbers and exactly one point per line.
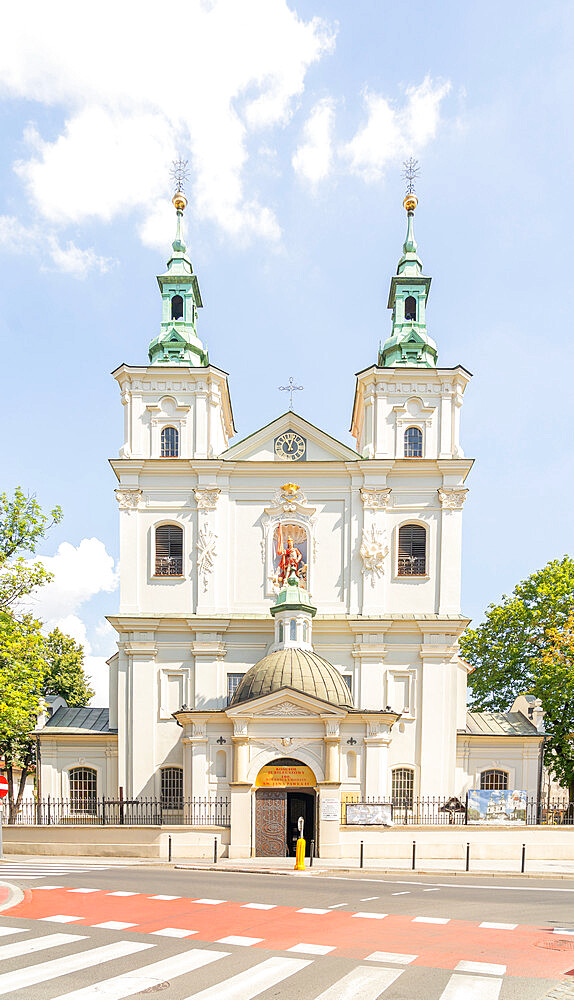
x=285, y=790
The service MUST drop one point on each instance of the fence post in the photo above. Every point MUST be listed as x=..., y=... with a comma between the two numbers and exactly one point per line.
x=467, y=857
x=103, y=811
x=49, y=817
x=121, y=805
x=311, y=853
x=523, y=861
x=361, y=856
x=414, y=854
x=215, y=850
x=169, y=848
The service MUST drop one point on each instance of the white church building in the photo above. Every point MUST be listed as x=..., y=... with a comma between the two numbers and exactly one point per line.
x=289, y=607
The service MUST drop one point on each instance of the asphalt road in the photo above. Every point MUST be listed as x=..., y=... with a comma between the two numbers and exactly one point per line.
x=237, y=936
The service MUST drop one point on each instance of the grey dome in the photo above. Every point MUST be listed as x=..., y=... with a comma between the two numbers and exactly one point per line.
x=295, y=668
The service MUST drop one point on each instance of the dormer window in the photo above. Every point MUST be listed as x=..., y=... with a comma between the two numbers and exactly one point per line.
x=169, y=442
x=177, y=307
x=410, y=309
x=413, y=442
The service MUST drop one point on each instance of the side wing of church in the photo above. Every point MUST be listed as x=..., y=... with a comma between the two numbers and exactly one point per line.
x=289, y=607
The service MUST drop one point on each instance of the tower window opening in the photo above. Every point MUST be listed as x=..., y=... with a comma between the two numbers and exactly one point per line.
x=411, y=308
x=293, y=630
x=281, y=631
x=177, y=307
x=412, y=550
x=305, y=632
x=413, y=442
x=169, y=442
x=168, y=550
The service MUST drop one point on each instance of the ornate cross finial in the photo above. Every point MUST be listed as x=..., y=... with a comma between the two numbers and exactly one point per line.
x=291, y=387
x=179, y=174
x=410, y=173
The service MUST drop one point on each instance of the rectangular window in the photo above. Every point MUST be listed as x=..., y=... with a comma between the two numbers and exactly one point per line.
x=348, y=678
x=401, y=700
x=233, y=682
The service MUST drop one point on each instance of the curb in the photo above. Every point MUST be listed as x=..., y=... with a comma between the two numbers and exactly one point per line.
x=367, y=872
x=15, y=895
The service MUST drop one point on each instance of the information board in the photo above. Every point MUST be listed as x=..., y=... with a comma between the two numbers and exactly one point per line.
x=331, y=809
x=504, y=806
x=285, y=776
x=369, y=814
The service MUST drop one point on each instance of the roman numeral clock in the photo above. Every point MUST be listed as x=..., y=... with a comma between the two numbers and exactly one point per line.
x=290, y=447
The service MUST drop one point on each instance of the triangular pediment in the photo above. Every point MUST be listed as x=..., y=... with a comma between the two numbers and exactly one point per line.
x=303, y=442
x=286, y=703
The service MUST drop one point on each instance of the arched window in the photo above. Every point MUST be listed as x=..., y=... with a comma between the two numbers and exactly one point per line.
x=221, y=764
x=281, y=631
x=403, y=785
x=410, y=308
x=169, y=442
x=172, y=788
x=177, y=307
x=493, y=779
x=293, y=630
x=413, y=442
x=351, y=764
x=305, y=632
x=83, y=789
x=168, y=550
x=412, y=550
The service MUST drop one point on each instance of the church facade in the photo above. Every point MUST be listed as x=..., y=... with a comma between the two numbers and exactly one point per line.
x=289, y=606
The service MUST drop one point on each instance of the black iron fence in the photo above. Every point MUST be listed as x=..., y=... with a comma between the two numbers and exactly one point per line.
x=437, y=811
x=86, y=810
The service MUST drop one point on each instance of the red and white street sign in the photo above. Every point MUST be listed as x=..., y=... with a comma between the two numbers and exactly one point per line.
x=3, y=786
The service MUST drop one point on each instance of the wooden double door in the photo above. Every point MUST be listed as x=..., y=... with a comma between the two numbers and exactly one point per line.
x=277, y=811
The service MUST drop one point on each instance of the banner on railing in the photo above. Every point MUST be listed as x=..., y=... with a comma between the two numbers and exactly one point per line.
x=369, y=814
x=497, y=805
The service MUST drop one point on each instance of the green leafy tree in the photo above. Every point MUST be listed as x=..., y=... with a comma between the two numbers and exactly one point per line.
x=510, y=653
x=554, y=685
x=64, y=674
x=22, y=525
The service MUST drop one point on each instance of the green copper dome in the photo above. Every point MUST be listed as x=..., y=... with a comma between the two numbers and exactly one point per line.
x=295, y=668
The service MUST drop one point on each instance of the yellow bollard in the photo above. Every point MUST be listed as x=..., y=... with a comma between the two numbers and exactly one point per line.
x=300, y=856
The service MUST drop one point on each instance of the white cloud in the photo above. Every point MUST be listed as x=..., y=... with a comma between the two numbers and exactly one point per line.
x=390, y=134
x=80, y=572
x=135, y=96
x=71, y=259
x=313, y=159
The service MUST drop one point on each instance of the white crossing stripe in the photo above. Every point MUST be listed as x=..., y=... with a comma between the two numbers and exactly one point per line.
x=114, y=925
x=460, y=987
x=175, y=932
x=312, y=949
x=60, y=918
x=208, y=902
x=486, y=968
x=431, y=920
x=235, y=939
x=38, y=887
x=31, y=945
x=122, y=893
x=130, y=983
x=71, y=890
x=390, y=956
x=165, y=897
x=498, y=927
x=21, y=978
x=253, y=981
x=366, y=982
x=5, y=931
x=367, y=899
x=258, y=906
x=371, y=916
x=309, y=909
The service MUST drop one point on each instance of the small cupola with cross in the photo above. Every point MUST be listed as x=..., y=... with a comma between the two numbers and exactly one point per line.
x=409, y=344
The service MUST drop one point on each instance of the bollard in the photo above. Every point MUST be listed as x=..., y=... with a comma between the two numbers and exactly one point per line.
x=414, y=854
x=215, y=850
x=300, y=855
x=361, y=856
x=311, y=853
x=169, y=848
x=523, y=862
x=467, y=857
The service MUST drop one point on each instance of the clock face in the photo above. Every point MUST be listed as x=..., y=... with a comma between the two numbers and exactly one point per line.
x=290, y=446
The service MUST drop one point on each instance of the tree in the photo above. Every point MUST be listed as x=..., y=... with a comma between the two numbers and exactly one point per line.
x=513, y=652
x=22, y=526
x=554, y=685
x=64, y=674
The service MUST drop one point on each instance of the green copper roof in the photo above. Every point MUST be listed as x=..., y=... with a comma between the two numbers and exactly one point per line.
x=409, y=344
x=294, y=668
x=293, y=597
x=178, y=343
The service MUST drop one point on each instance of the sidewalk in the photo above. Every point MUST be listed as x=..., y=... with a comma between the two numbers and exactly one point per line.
x=378, y=866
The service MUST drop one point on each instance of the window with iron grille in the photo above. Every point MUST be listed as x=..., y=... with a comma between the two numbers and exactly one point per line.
x=169, y=442
x=413, y=442
x=83, y=789
x=403, y=785
x=233, y=682
x=412, y=550
x=172, y=788
x=168, y=550
x=493, y=779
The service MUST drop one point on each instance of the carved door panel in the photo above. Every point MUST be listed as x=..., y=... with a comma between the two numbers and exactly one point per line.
x=270, y=822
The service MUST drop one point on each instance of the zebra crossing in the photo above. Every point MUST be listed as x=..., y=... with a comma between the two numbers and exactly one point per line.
x=78, y=966
x=29, y=870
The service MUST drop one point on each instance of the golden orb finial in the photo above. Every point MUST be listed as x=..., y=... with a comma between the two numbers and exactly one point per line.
x=410, y=202
x=180, y=201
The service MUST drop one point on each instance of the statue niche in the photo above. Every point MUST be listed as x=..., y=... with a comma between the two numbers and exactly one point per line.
x=290, y=549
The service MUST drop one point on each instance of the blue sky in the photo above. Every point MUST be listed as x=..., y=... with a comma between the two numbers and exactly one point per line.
x=295, y=118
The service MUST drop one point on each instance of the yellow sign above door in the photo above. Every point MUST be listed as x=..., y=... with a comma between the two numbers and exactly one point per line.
x=285, y=776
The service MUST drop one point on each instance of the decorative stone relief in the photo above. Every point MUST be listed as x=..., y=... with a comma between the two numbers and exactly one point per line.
x=375, y=499
x=287, y=708
x=452, y=499
x=129, y=499
x=198, y=729
x=376, y=728
x=240, y=727
x=332, y=728
x=206, y=499
x=206, y=552
x=373, y=550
